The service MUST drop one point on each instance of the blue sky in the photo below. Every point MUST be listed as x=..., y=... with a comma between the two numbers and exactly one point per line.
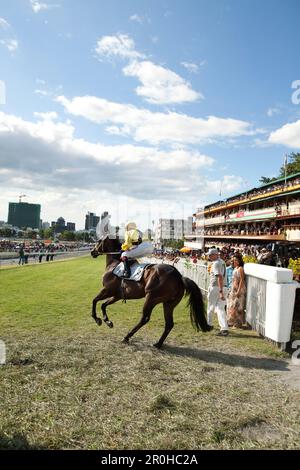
x=144, y=108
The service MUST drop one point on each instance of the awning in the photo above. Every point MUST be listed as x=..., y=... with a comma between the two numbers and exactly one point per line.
x=185, y=249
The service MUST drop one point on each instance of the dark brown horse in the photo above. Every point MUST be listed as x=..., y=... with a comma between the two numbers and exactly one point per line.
x=161, y=283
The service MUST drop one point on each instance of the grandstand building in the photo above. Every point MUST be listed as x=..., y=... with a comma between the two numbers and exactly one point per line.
x=263, y=215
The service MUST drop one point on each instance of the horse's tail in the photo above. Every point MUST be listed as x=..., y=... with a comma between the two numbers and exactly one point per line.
x=196, y=304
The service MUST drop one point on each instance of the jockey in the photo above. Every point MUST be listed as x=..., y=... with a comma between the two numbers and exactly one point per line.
x=134, y=246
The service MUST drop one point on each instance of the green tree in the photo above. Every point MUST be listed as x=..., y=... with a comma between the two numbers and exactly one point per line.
x=48, y=233
x=293, y=166
x=175, y=244
x=266, y=180
x=67, y=236
x=7, y=232
x=31, y=234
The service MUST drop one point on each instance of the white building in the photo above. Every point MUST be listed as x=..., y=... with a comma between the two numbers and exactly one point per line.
x=172, y=229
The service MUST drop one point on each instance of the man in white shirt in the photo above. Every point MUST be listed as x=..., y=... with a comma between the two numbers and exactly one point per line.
x=216, y=291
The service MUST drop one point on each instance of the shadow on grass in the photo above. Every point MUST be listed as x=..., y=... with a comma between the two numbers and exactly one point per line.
x=17, y=442
x=233, y=360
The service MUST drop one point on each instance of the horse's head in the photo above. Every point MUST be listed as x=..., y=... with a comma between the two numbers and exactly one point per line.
x=98, y=249
x=105, y=245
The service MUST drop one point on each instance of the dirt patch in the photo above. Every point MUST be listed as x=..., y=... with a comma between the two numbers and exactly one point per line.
x=260, y=431
x=291, y=376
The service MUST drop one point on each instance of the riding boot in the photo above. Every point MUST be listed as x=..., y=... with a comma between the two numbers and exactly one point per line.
x=127, y=270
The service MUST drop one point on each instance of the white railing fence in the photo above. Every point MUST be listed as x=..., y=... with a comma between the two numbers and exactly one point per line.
x=271, y=294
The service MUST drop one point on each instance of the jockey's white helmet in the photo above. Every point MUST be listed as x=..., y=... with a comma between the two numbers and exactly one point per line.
x=130, y=226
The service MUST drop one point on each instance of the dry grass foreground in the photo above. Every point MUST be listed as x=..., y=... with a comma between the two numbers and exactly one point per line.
x=69, y=384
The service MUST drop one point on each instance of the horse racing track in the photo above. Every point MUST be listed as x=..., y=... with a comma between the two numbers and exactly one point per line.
x=70, y=384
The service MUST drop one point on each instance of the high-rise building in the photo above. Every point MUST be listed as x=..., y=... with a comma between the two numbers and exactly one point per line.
x=61, y=226
x=172, y=229
x=91, y=221
x=23, y=214
x=71, y=226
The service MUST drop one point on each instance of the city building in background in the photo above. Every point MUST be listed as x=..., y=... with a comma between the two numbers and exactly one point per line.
x=71, y=226
x=61, y=226
x=91, y=221
x=263, y=215
x=23, y=214
x=172, y=229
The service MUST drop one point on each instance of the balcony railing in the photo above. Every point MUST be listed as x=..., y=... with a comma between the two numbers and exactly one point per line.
x=250, y=198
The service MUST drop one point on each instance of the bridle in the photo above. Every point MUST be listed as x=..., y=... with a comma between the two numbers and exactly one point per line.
x=104, y=252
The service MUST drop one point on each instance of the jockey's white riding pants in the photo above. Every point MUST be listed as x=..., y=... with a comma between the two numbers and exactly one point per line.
x=215, y=304
x=144, y=249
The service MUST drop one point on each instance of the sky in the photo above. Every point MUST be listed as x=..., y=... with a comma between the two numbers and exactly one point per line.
x=147, y=109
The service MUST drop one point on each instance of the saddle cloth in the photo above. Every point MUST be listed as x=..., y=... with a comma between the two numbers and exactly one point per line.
x=137, y=270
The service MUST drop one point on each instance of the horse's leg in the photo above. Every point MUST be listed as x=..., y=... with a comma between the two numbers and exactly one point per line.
x=109, y=301
x=147, y=310
x=169, y=322
x=101, y=296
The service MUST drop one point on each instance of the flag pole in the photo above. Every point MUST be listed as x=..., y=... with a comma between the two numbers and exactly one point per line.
x=285, y=169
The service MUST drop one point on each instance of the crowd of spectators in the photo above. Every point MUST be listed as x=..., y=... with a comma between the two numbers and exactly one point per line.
x=262, y=191
x=36, y=250
x=270, y=254
x=258, y=229
x=34, y=246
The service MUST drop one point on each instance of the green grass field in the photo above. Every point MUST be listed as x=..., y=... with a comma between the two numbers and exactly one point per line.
x=70, y=384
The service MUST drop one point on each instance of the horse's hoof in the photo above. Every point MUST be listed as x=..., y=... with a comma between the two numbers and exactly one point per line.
x=98, y=321
x=125, y=341
x=110, y=324
x=157, y=345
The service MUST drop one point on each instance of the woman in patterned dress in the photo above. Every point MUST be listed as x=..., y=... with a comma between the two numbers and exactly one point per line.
x=236, y=301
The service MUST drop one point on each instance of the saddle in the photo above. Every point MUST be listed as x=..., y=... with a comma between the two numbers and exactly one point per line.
x=137, y=270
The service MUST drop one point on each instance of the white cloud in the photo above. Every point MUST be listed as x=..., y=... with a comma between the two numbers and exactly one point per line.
x=10, y=44
x=288, y=135
x=120, y=45
x=160, y=85
x=228, y=184
x=70, y=176
x=141, y=19
x=42, y=92
x=57, y=148
x=193, y=68
x=154, y=127
x=2, y=92
x=40, y=6
x=4, y=24
x=46, y=90
x=50, y=116
x=39, y=81
x=154, y=39
x=272, y=111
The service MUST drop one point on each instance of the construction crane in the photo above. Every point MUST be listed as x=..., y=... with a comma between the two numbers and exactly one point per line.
x=20, y=197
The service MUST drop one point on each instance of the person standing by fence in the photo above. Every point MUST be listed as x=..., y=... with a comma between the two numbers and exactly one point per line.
x=21, y=255
x=237, y=295
x=216, y=292
x=229, y=273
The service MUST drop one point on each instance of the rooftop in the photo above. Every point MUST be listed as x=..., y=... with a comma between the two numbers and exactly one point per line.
x=278, y=180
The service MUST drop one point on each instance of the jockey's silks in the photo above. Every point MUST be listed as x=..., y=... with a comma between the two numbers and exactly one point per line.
x=131, y=236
